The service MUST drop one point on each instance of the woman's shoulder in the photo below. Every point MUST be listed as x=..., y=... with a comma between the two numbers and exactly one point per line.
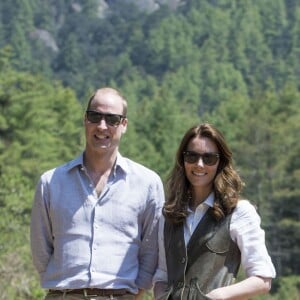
x=245, y=204
x=245, y=209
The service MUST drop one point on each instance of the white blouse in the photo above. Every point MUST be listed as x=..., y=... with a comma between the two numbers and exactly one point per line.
x=245, y=230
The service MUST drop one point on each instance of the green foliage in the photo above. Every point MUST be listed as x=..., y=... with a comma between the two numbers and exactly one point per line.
x=47, y=123
x=40, y=125
x=289, y=288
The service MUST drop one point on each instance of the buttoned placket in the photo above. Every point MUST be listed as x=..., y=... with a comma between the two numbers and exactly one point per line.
x=95, y=200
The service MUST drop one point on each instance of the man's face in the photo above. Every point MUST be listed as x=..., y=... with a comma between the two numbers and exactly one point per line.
x=102, y=136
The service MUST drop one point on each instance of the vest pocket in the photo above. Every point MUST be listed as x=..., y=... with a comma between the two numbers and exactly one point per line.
x=218, y=244
x=220, y=241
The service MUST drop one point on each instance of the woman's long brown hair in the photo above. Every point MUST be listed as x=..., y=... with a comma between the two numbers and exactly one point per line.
x=227, y=183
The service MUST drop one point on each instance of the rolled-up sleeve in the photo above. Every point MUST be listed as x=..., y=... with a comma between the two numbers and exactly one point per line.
x=246, y=231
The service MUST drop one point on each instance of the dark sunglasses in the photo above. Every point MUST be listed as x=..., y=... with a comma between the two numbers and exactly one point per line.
x=209, y=158
x=110, y=119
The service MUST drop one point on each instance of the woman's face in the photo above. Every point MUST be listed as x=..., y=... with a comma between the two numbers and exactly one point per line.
x=199, y=174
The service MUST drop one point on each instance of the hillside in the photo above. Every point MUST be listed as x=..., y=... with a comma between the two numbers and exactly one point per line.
x=229, y=62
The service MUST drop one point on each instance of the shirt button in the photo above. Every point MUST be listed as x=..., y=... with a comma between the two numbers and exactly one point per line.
x=183, y=260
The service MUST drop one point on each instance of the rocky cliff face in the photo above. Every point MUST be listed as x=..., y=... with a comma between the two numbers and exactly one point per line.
x=144, y=5
x=152, y=5
x=103, y=8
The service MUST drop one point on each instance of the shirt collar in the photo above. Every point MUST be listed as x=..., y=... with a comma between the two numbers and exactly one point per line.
x=78, y=161
x=121, y=162
x=209, y=201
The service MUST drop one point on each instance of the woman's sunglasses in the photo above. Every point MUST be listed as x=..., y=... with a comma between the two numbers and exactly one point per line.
x=110, y=119
x=209, y=158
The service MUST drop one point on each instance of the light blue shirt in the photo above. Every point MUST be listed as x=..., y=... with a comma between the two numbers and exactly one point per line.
x=81, y=240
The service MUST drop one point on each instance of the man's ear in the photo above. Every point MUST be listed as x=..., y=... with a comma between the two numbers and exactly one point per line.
x=124, y=125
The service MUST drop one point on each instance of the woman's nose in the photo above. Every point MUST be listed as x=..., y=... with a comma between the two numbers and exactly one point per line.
x=200, y=162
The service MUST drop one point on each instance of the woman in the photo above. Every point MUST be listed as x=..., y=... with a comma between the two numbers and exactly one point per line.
x=207, y=231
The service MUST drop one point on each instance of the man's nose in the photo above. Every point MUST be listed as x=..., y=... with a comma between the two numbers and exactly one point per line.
x=102, y=123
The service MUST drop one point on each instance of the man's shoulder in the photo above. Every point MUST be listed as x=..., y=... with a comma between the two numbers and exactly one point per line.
x=139, y=169
x=61, y=170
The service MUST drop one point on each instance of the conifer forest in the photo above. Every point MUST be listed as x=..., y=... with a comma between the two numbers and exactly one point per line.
x=232, y=63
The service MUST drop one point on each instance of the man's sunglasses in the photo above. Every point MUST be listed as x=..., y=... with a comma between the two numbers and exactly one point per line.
x=110, y=119
x=209, y=158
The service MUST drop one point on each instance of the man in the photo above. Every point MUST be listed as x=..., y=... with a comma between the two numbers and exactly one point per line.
x=94, y=219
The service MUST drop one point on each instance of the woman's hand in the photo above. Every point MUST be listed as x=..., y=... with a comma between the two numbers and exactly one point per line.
x=242, y=290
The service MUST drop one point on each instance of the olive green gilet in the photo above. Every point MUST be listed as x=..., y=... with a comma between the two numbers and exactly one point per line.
x=210, y=260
